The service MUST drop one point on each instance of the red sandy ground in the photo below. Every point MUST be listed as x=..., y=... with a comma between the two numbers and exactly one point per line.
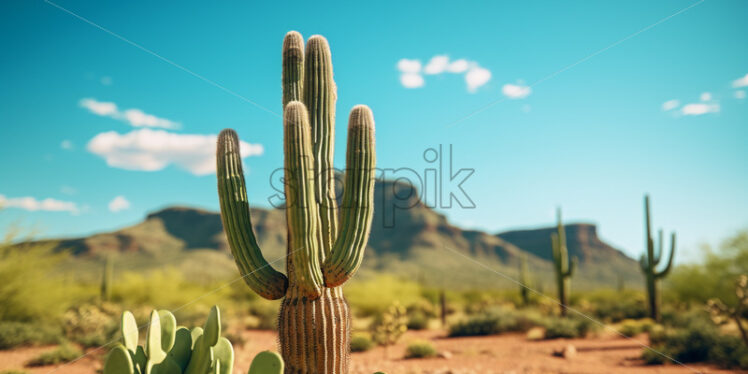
x=508, y=354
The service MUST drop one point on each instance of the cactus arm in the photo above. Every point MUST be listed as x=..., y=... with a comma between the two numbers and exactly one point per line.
x=669, y=264
x=257, y=272
x=358, y=199
x=319, y=98
x=659, y=249
x=643, y=263
x=293, y=67
x=571, y=267
x=301, y=206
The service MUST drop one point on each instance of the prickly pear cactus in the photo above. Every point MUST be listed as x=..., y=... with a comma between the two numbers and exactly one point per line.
x=324, y=250
x=267, y=362
x=170, y=349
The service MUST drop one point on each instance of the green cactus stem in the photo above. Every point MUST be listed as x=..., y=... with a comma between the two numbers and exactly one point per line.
x=650, y=261
x=524, y=280
x=563, y=267
x=324, y=250
x=106, y=279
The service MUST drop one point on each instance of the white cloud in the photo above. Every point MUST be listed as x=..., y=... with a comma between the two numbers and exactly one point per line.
x=409, y=66
x=411, y=80
x=670, y=105
x=437, y=65
x=106, y=81
x=135, y=117
x=516, y=91
x=119, y=203
x=66, y=145
x=740, y=82
x=740, y=94
x=458, y=66
x=31, y=204
x=411, y=71
x=706, y=96
x=476, y=77
x=152, y=150
x=67, y=190
x=698, y=109
x=526, y=108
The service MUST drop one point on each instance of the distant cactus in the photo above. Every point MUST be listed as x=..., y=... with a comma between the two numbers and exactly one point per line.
x=650, y=261
x=524, y=280
x=563, y=267
x=324, y=251
x=721, y=313
x=443, y=308
x=106, y=279
x=170, y=349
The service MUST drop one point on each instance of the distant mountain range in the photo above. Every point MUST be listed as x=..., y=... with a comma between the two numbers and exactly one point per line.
x=420, y=244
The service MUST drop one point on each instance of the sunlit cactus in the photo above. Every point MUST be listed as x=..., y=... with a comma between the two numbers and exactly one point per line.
x=563, y=267
x=651, y=260
x=324, y=250
x=170, y=349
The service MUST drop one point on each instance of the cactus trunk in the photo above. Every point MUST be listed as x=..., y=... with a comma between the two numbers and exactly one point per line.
x=106, y=279
x=324, y=249
x=315, y=334
x=650, y=261
x=563, y=267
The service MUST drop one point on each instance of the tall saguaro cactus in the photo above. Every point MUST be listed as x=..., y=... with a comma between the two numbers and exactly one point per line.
x=651, y=260
x=106, y=279
x=563, y=267
x=324, y=251
x=524, y=281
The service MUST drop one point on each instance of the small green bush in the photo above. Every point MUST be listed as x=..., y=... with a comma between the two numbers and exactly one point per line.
x=567, y=328
x=420, y=349
x=16, y=334
x=496, y=321
x=91, y=325
x=62, y=354
x=632, y=327
x=700, y=342
x=361, y=343
x=417, y=320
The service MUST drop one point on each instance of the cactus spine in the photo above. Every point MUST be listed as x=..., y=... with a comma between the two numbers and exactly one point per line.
x=323, y=251
x=563, y=267
x=524, y=281
x=106, y=279
x=651, y=260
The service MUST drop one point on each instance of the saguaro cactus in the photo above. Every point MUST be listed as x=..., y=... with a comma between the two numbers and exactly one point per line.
x=106, y=279
x=524, y=280
x=651, y=260
x=323, y=252
x=564, y=268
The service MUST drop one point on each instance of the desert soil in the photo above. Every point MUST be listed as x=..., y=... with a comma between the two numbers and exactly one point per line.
x=510, y=353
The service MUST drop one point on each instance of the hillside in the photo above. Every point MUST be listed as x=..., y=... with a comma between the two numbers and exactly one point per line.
x=416, y=242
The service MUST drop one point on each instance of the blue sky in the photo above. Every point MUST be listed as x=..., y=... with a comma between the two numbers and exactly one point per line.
x=108, y=132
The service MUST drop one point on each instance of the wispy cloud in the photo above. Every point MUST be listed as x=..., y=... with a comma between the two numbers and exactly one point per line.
x=697, y=109
x=118, y=204
x=740, y=82
x=412, y=72
x=32, y=204
x=106, y=81
x=740, y=94
x=516, y=91
x=152, y=150
x=66, y=145
x=670, y=105
x=135, y=117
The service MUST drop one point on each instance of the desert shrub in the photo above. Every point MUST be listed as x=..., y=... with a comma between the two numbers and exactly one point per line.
x=568, y=328
x=266, y=314
x=700, y=342
x=417, y=320
x=29, y=289
x=495, y=321
x=372, y=296
x=420, y=349
x=91, y=325
x=615, y=306
x=633, y=327
x=361, y=343
x=389, y=326
x=13, y=371
x=16, y=334
x=64, y=353
x=174, y=291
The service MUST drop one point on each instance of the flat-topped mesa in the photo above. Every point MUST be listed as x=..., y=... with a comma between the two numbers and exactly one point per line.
x=324, y=250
